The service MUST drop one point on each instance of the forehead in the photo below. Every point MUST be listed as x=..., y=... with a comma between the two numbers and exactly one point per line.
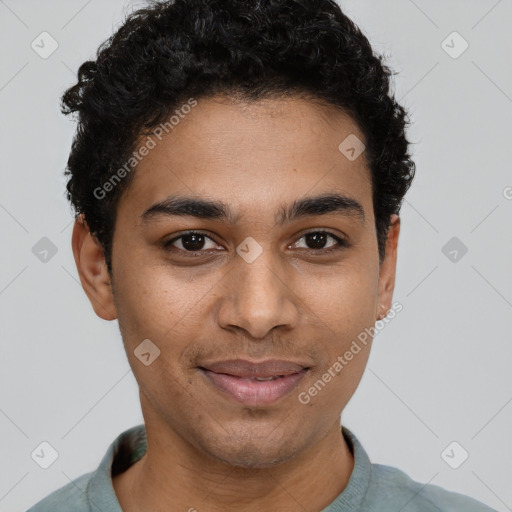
x=252, y=154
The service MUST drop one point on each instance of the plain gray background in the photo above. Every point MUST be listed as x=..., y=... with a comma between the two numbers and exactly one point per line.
x=438, y=373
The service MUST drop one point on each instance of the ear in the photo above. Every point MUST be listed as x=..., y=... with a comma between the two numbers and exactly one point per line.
x=92, y=270
x=388, y=269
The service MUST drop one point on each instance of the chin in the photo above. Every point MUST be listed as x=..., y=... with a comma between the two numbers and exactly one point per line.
x=249, y=452
x=251, y=458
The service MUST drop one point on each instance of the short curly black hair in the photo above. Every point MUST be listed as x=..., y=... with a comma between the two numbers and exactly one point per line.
x=174, y=50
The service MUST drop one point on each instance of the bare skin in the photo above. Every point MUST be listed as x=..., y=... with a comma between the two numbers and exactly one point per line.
x=206, y=451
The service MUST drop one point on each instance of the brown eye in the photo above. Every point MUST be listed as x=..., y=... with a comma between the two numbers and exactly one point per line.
x=193, y=242
x=317, y=240
x=190, y=242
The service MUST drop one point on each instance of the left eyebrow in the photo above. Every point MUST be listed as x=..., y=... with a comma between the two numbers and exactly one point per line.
x=217, y=210
x=322, y=205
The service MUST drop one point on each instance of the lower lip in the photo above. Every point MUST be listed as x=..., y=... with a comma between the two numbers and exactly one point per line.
x=254, y=392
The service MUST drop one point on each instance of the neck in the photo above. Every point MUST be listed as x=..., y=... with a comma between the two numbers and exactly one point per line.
x=168, y=477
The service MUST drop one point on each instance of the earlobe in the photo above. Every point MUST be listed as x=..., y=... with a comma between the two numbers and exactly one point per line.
x=92, y=270
x=388, y=269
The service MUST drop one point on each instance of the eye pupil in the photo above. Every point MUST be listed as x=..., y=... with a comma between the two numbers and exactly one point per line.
x=193, y=242
x=316, y=239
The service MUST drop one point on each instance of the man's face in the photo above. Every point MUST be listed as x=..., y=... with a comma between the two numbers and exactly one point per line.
x=263, y=287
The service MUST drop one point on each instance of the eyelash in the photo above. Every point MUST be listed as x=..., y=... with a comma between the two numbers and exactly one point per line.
x=342, y=243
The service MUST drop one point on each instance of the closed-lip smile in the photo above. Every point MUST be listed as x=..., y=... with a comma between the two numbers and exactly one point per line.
x=254, y=383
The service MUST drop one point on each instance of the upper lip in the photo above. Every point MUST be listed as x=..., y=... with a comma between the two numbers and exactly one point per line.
x=244, y=368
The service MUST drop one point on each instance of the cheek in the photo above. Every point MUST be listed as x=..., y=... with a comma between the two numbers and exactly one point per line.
x=344, y=312
x=153, y=307
x=334, y=382
x=343, y=299
x=150, y=303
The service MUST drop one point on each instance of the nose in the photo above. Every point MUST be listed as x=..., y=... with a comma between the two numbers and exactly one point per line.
x=259, y=297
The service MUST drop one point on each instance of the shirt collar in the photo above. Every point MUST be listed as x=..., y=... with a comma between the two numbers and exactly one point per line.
x=351, y=498
x=131, y=445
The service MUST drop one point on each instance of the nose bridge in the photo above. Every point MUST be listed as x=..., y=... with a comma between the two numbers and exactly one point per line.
x=260, y=274
x=257, y=271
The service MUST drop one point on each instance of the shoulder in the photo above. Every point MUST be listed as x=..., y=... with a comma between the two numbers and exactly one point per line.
x=70, y=497
x=389, y=484
x=94, y=491
x=382, y=488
